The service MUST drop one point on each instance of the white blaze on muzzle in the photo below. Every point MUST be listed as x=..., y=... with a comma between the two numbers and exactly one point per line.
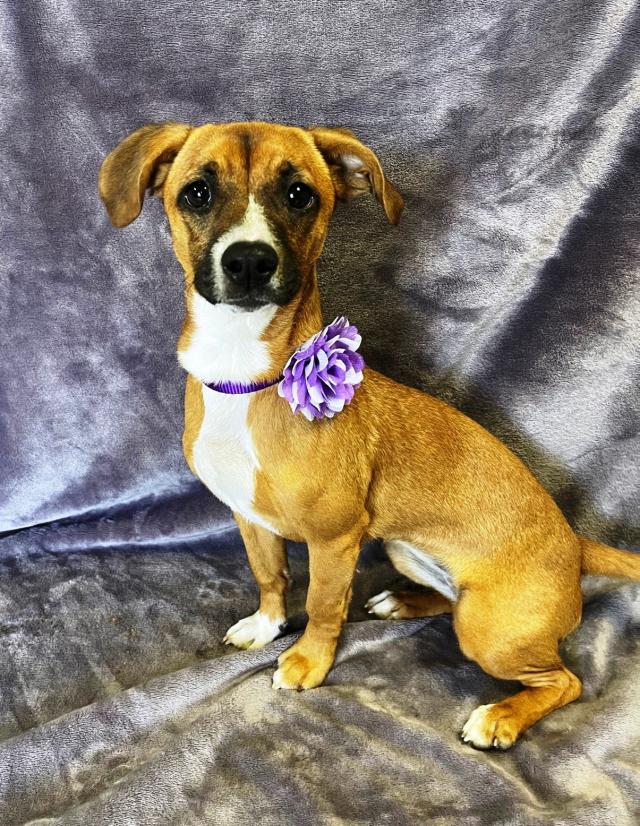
x=253, y=227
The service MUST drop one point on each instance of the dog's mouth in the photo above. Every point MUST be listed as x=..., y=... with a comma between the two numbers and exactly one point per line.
x=247, y=303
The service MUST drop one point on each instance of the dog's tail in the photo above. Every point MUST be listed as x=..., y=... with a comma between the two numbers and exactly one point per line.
x=605, y=561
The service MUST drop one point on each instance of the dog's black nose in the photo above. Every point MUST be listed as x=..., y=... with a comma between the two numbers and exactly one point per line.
x=249, y=264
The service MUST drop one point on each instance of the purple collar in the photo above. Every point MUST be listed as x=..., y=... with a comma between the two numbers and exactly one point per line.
x=236, y=388
x=321, y=376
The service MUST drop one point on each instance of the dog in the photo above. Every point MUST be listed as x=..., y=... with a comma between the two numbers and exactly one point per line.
x=249, y=206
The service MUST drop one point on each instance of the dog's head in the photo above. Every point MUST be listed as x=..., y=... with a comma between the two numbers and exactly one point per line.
x=248, y=203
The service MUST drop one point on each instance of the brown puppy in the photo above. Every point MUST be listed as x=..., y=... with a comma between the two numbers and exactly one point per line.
x=249, y=205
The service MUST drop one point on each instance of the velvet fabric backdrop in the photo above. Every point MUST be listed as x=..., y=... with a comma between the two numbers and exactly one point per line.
x=510, y=288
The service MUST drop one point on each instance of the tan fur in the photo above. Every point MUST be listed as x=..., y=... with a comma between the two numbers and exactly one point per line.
x=268, y=560
x=395, y=464
x=193, y=416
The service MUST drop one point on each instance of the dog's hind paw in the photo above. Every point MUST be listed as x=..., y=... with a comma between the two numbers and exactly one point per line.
x=490, y=727
x=384, y=605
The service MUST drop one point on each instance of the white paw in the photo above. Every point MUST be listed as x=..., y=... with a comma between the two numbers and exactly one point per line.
x=254, y=631
x=487, y=728
x=475, y=731
x=383, y=605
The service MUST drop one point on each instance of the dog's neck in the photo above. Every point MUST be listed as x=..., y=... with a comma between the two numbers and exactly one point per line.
x=222, y=343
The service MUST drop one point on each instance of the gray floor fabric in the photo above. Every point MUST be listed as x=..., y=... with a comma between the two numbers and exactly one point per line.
x=510, y=288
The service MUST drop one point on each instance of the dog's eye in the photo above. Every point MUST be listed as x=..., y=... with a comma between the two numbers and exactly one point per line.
x=197, y=194
x=300, y=196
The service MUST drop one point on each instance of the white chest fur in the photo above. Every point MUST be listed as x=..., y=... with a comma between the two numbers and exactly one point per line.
x=223, y=453
x=227, y=344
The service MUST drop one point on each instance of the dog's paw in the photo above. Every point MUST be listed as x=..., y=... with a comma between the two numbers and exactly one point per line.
x=254, y=631
x=490, y=727
x=385, y=606
x=303, y=666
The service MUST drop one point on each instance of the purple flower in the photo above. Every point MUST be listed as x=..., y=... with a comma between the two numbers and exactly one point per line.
x=322, y=375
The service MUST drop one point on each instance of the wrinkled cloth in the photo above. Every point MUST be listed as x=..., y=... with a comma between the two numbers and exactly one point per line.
x=510, y=288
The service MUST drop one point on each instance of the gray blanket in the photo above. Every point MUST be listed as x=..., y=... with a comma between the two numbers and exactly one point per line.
x=510, y=288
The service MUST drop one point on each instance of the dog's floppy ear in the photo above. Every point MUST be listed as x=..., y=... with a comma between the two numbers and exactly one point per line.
x=355, y=169
x=140, y=162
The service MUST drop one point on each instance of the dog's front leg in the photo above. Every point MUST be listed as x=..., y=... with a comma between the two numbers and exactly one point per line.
x=268, y=561
x=331, y=568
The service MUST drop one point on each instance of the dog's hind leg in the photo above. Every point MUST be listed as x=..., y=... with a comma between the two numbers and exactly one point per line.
x=498, y=725
x=513, y=638
x=421, y=567
x=408, y=604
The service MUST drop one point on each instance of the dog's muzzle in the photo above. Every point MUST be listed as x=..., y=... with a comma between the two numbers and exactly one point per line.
x=247, y=275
